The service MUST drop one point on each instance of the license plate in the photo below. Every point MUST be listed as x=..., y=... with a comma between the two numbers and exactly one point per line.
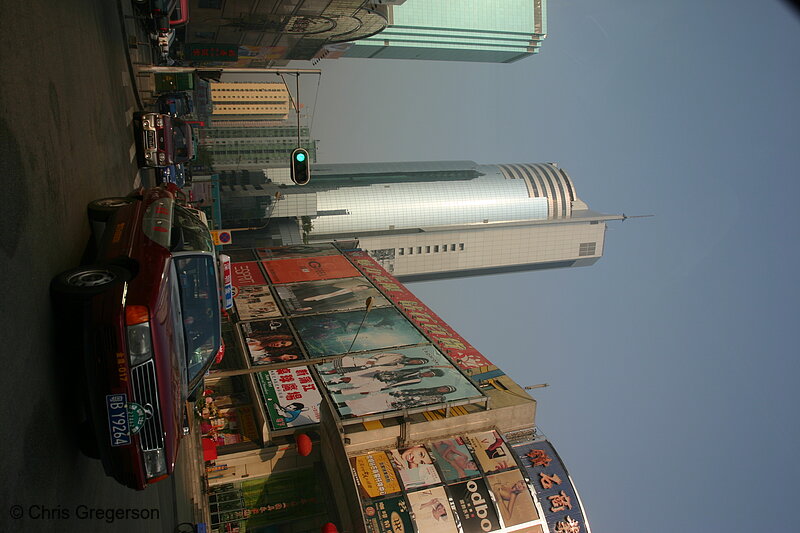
x=118, y=428
x=151, y=139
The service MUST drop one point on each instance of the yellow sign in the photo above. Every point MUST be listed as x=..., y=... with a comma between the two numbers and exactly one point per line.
x=375, y=475
x=221, y=237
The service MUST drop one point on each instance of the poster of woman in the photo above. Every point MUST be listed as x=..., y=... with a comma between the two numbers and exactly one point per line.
x=432, y=512
x=513, y=497
x=329, y=295
x=415, y=467
x=453, y=459
x=270, y=341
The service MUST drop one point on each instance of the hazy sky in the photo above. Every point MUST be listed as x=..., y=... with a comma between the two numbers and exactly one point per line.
x=672, y=361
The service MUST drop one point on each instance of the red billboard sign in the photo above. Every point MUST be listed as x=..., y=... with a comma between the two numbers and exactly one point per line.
x=247, y=274
x=442, y=335
x=309, y=269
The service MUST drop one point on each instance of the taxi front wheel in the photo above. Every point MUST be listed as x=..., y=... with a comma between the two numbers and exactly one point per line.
x=100, y=210
x=88, y=280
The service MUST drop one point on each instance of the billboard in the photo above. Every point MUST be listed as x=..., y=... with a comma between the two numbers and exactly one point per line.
x=432, y=511
x=290, y=396
x=553, y=487
x=390, y=515
x=513, y=497
x=270, y=341
x=454, y=460
x=309, y=269
x=491, y=451
x=415, y=467
x=247, y=273
x=334, y=334
x=391, y=380
x=374, y=475
x=299, y=250
x=448, y=341
x=329, y=295
x=474, y=506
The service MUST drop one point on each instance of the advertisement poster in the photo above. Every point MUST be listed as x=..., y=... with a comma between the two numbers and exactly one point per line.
x=390, y=515
x=247, y=274
x=255, y=302
x=441, y=334
x=453, y=459
x=474, y=506
x=270, y=341
x=374, y=475
x=432, y=511
x=415, y=467
x=331, y=295
x=490, y=450
x=290, y=396
x=309, y=269
x=553, y=486
x=298, y=250
x=403, y=378
x=513, y=497
x=333, y=334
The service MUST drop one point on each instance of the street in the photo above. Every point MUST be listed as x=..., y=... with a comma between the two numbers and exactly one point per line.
x=67, y=100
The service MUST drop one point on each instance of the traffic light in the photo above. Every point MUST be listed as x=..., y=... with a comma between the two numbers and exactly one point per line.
x=301, y=169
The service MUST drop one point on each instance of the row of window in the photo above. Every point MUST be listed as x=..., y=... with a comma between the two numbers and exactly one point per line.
x=430, y=249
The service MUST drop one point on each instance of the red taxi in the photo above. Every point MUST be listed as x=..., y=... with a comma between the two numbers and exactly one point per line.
x=151, y=328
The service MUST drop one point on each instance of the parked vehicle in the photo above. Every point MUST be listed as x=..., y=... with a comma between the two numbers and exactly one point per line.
x=177, y=104
x=162, y=140
x=173, y=174
x=151, y=320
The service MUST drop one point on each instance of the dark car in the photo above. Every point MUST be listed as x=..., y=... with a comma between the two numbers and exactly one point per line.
x=177, y=104
x=175, y=174
x=162, y=140
x=150, y=312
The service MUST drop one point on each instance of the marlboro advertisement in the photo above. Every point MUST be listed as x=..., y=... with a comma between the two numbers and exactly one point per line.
x=474, y=506
x=290, y=396
x=374, y=475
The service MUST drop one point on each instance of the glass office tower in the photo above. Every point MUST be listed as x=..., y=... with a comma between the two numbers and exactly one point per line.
x=495, y=31
x=432, y=220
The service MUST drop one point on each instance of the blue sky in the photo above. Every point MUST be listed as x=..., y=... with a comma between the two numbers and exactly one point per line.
x=670, y=361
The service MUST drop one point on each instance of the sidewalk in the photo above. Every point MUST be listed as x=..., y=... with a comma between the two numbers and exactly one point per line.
x=191, y=502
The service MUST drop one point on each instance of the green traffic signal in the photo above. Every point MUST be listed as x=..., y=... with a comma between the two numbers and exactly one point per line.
x=300, y=157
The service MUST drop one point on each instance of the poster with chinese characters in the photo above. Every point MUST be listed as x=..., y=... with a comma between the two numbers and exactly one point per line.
x=344, y=294
x=491, y=451
x=290, y=396
x=453, y=458
x=270, y=341
x=551, y=482
x=513, y=497
x=390, y=515
x=334, y=334
x=374, y=475
x=432, y=511
x=391, y=380
x=474, y=506
x=309, y=269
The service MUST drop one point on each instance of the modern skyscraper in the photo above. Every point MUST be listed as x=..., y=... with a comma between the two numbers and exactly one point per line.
x=437, y=220
x=254, y=148
x=494, y=31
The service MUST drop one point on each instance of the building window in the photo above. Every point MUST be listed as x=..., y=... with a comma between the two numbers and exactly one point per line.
x=411, y=251
x=452, y=247
x=402, y=251
x=587, y=248
x=427, y=249
x=419, y=249
x=461, y=246
x=436, y=248
x=444, y=247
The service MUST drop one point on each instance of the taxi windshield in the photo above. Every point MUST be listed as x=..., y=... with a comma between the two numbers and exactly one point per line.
x=199, y=311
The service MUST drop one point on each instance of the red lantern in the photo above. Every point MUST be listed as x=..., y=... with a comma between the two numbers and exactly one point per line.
x=329, y=528
x=303, y=443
